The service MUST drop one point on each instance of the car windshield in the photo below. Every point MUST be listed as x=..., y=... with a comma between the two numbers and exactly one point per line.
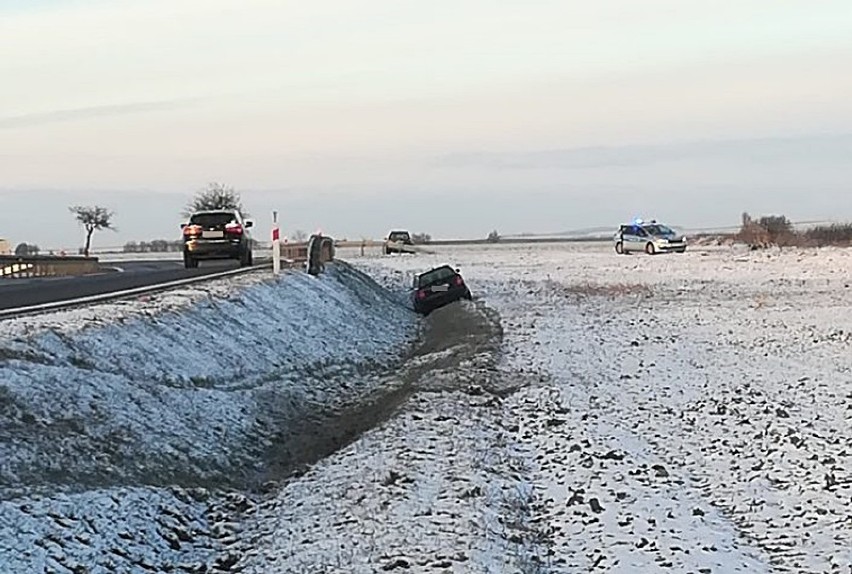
x=658, y=229
x=434, y=276
x=398, y=236
x=214, y=219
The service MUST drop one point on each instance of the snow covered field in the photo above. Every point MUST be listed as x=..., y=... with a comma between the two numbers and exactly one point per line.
x=589, y=412
x=693, y=412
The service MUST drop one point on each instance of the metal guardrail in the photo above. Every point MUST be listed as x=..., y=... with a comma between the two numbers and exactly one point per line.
x=14, y=267
x=294, y=252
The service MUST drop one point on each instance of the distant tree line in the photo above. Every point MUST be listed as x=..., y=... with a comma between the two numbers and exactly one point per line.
x=777, y=230
x=834, y=234
x=155, y=246
x=161, y=246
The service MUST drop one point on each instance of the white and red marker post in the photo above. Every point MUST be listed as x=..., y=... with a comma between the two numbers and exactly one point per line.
x=276, y=245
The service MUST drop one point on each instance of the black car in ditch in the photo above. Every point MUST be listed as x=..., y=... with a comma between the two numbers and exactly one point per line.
x=217, y=234
x=438, y=287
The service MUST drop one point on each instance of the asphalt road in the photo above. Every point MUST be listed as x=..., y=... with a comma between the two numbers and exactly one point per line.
x=16, y=293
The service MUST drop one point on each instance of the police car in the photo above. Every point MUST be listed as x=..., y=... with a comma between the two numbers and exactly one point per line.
x=649, y=237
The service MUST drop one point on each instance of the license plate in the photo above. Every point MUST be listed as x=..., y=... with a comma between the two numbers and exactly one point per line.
x=438, y=288
x=213, y=234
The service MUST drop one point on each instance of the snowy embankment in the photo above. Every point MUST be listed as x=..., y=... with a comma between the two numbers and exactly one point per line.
x=122, y=425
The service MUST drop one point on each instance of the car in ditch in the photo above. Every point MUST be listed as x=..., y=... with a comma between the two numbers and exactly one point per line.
x=217, y=234
x=399, y=242
x=438, y=287
x=648, y=237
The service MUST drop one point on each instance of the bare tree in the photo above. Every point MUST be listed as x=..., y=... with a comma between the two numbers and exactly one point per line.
x=26, y=250
x=421, y=238
x=215, y=196
x=300, y=236
x=493, y=237
x=92, y=219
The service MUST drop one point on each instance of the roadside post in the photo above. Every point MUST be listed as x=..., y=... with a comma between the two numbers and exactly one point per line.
x=276, y=245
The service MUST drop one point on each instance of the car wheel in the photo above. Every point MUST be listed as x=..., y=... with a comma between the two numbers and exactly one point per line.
x=649, y=248
x=682, y=250
x=619, y=248
x=245, y=258
x=189, y=262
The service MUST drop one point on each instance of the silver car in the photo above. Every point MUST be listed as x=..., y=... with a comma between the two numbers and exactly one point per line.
x=649, y=237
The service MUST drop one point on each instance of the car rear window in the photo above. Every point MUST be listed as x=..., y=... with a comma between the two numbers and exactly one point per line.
x=398, y=236
x=438, y=275
x=212, y=219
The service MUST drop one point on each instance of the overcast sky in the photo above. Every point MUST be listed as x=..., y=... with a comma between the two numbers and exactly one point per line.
x=448, y=116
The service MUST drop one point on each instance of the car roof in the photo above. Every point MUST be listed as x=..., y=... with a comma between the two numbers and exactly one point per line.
x=643, y=224
x=450, y=267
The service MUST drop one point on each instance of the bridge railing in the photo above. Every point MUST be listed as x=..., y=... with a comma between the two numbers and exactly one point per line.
x=20, y=267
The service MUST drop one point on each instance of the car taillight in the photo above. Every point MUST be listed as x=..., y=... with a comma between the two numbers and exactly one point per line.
x=458, y=281
x=190, y=230
x=234, y=229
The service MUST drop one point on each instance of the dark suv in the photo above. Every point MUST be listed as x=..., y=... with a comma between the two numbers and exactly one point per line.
x=217, y=234
x=438, y=287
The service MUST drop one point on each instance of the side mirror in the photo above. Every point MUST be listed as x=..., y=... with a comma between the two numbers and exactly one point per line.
x=182, y=225
x=249, y=224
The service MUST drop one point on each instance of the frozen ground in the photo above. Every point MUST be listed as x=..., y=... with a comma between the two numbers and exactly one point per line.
x=694, y=410
x=589, y=413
